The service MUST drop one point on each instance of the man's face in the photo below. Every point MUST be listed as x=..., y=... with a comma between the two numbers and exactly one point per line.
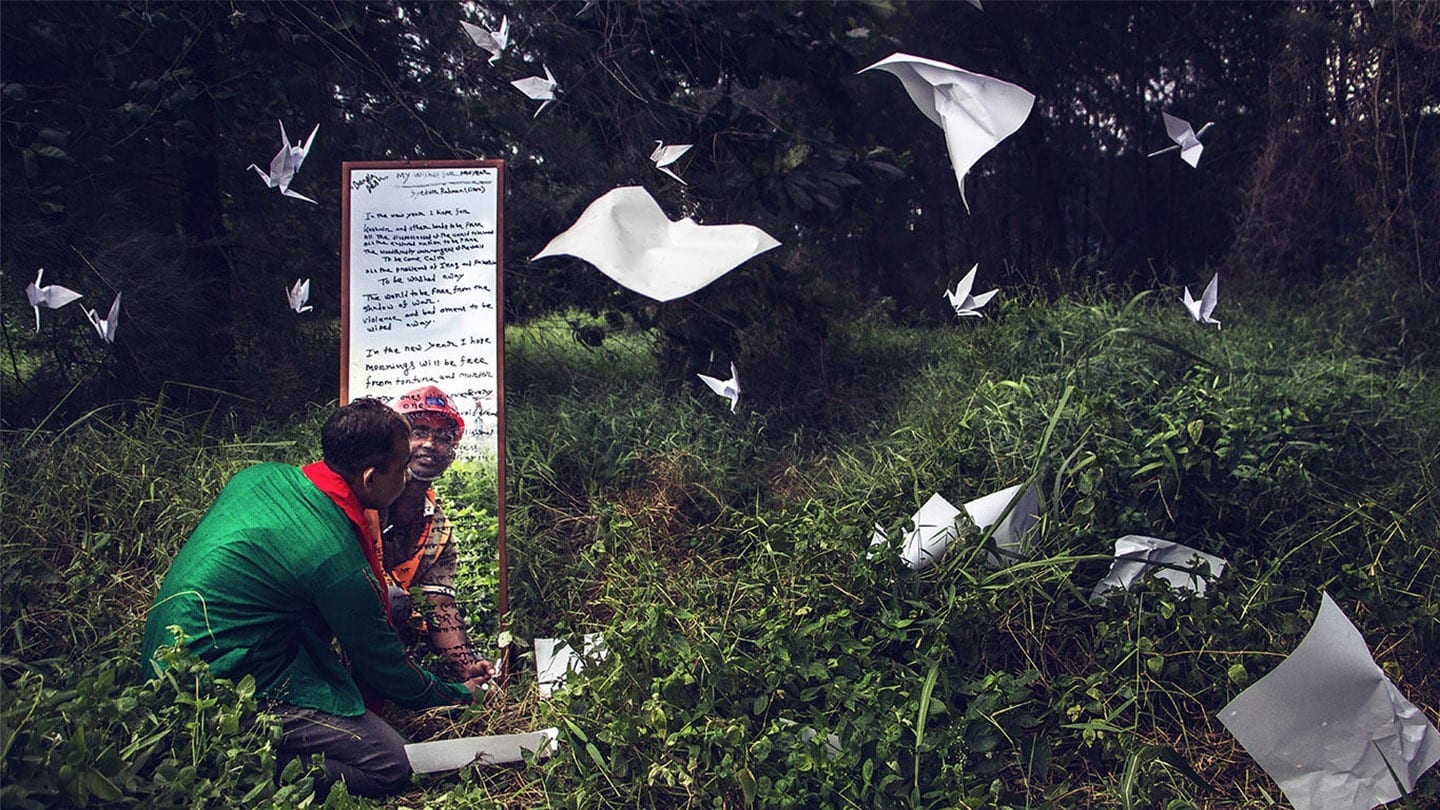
x=382, y=485
x=432, y=444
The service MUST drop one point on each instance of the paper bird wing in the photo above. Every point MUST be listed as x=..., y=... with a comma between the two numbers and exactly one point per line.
x=535, y=87
x=477, y=34
x=280, y=171
x=627, y=237
x=674, y=175
x=1210, y=297
x=733, y=383
x=1177, y=128
x=502, y=37
x=716, y=385
x=982, y=299
x=665, y=155
x=297, y=195
x=301, y=151
x=962, y=290
x=1191, y=305
x=114, y=317
x=1191, y=154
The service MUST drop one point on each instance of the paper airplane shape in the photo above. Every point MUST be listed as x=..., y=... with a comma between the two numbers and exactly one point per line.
x=1011, y=534
x=965, y=304
x=105, y=327
x=664, y=155
x=932, y=530
x=449, y=755
x=729, y=389
x=286, y=163
x=1186, y=139
x=298, y=294
x=539, y=89
x=1200, y=310
x=1329, y=726
x=1176, y=564
x=50, y=296
x=493, y=41
x=554, y=660
x=976, y=112
x=628, y=238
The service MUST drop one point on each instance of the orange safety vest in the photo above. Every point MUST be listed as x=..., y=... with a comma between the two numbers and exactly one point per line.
x=404, y=573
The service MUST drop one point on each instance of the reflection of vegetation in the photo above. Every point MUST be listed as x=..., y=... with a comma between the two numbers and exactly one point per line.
x=467, y=493
x=725, y=560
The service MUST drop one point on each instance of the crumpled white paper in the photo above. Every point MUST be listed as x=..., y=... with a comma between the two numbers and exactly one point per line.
x=1326, y=721
x=448, y=755
x=1173, y=562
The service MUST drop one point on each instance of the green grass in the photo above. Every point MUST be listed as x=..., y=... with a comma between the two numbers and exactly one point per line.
x=725, y=561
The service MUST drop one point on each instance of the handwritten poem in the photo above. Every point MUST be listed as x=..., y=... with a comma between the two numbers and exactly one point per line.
x=423, y=297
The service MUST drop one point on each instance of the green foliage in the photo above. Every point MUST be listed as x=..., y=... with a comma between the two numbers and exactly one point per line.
x=183, y=739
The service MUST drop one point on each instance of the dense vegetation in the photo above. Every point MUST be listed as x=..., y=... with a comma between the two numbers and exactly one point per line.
x=725, y=561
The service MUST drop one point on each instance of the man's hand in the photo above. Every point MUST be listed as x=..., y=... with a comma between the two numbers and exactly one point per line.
x=477, y=669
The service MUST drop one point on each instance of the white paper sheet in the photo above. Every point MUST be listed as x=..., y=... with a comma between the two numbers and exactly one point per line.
x=449, y=755
x=1012, y=535
x=975, y=111
x=1325, y=722
x=554, y=660
x=1136, y=555
x=932, y=530
x=627, y=237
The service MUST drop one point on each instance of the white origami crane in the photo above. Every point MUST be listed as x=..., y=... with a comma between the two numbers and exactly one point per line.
x=1186, y=139
x=729, y=389
x=1200, y=310
x=976, y=112
x=449, y=755
x=50, y=296
x=626, y=235
x=538, y=88
x=1329, y=726
x=933, y=527
x=665, y=155
x=1012, y=533
x=1176, y=564
x=106, y=326
x=493, y=41
x=965, y=304
x=286, y=163
x=554, y=660
x=297, y=294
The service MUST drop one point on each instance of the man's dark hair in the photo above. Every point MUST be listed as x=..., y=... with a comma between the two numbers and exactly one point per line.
x=360, y=435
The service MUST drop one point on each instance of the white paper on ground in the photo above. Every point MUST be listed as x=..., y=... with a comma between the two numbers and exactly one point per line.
x=554, y=659
x=1011, y=536
x=1175, y=563
x=932, y=530
x=448, y=755
x=1326, y=721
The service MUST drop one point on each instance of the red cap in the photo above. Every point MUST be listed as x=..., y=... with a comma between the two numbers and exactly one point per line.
x=430, y=399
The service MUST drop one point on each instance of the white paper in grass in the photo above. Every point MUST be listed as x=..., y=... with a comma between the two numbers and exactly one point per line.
x=554, y=660
x=503, y=749
x=1012, y=535
x=1326, y=721
x=932, y=530
x=627, y=237
x=1175, y=563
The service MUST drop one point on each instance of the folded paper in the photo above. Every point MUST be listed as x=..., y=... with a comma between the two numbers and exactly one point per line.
x=664, y=155
x=449, y=755
x=298, y=294
x=932, y=530
x=628, y=238
x=494, y=42
x=965, y=304
x=1179, y=565
x=1186, y=139
x=540, y=89
x=286, y=163
x=1201, y=310
x=975, y=111
x=50, y=296
x=1012, y=527
x=729, y=389
x=106, y=327
x=1329, y=726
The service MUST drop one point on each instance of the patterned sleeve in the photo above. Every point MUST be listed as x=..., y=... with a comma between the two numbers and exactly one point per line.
x=437, y=571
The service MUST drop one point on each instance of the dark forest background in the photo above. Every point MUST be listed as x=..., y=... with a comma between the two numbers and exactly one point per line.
x=126, y=130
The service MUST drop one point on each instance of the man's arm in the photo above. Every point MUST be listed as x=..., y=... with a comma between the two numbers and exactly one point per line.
x=449, y=638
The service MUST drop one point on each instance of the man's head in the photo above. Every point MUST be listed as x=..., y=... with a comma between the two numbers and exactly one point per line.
x=435, y=429
x=368, y=444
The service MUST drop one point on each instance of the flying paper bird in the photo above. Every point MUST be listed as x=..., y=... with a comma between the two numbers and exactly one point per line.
x=50, y=296
x=1187, y=140
x=628, y=238
x=665, y=155
x=976, y=112
x=493, y=41
x=538, y=88
x=298, y=294
x=105, y=327
x=965, y=304
x=729, y=389
x=1200, y=310
x=286, y=163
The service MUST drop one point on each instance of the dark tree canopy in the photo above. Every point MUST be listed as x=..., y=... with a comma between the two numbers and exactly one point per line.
x=127, y=129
